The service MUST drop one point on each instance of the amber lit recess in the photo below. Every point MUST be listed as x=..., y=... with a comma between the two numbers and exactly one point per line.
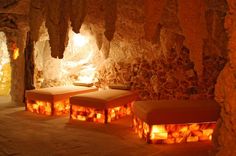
x=173, y=133
x=100, y=116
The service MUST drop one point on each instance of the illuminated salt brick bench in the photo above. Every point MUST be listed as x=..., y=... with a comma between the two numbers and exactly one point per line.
x=175, y=121
x=53, y=100
x=101, y=106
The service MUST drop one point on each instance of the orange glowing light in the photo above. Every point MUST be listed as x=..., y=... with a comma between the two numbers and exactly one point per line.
x=158, y=132
x=174, y=133
x=16, y=53
x=45, y=108
x=91, y=114
x=99, y=116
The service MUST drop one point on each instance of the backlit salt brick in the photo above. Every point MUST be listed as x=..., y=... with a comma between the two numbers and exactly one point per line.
x=192, y=139
x=165, y=134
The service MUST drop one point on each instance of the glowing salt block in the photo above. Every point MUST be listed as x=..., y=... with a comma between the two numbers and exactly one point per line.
x=204, y=137
x=91, y=114
x=193, y=127
x=174, y=133
x=192, y=139
x=210, y=137
x=197, y=132
x=81, y=118
x=169, y=141
x=42, y=107
x=184, y=129
x=158, y=132
x=99, y=115
x=207, y=132
x=113, y=115
x=145, y=128
x=179, y=139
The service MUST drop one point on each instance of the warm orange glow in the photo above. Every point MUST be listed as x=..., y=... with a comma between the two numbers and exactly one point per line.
x=45, y=108
x=16, y=53
x=62, y=107
x=91, y=114
x=158, y=132
x=99, y=116
x=39, y=107
x=174, y=133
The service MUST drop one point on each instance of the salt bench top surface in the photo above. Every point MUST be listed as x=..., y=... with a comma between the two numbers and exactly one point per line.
x=57, y=93
x=176, y=111
x=104, y=99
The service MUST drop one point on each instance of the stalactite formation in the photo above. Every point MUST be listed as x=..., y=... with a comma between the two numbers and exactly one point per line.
x=110, y=7
x=77, y=14
x=57, y=14
x=36, y=10
x=57, y=23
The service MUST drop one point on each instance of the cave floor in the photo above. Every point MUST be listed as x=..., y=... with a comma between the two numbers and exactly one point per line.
x=26, y=134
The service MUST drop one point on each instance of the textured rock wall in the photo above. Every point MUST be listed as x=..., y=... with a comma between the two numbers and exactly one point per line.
x=142, y=41
x=225, y=92
x=214, y=47
x=178, y=58
x=157, y=50
x=193, y=23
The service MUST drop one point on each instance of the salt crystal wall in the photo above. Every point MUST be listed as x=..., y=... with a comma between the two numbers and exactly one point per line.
x=165, y=50
x=157, y=54
x=150, y=45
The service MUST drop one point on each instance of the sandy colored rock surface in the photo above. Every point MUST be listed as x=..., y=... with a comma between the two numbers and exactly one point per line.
x=26, y=134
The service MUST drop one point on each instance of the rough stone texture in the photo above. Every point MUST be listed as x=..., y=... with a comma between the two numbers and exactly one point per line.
x=18, y=65
x=215, y=45
x=18, y=7
x=193, y=22
x=225, y=93
x=153, y=12
x=129, y=44
x=173, y=78
x=216, y=41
